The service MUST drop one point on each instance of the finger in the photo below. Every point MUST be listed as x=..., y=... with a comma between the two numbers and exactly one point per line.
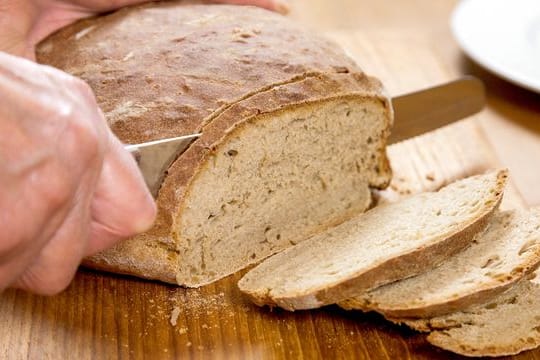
x=61, y=100
x=54, y=268
x=14, y=262
x=21, y=70
x=45, y=192
x=279, y=6
x=122, y=205
x=29, y=240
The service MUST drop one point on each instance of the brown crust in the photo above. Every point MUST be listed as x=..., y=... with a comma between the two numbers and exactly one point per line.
x=440, y=340
x=478, y=297
x=406, y=265
x=441, y=328
x=473, y=297
x=178, y=65
x=154, y=77
x=142, y=256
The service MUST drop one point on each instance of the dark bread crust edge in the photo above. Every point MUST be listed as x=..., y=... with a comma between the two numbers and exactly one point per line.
x=477, y=296
x=441, y=328
x=470, y=299
x=406, y=265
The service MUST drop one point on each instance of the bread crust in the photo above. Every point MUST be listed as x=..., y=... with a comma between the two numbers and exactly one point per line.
x=408, y=264
x=466, y=300
x=519, y=334
x=154, y=77
x=462, y=300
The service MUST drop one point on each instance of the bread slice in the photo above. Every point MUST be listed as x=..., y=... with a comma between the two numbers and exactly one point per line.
x=508, y=250
x=388, y=243
x=506, y=325
x=294, y=134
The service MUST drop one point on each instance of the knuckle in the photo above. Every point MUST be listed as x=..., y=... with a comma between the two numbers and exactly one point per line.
x=56, y=187
x=72, y=129
x=84, y=90
x=84, y=140
x=82, y=86
x=77, y=120
x=72, y=83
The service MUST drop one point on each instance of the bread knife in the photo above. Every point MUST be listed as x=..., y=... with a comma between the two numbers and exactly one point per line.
x=414, y=114
x=155, y=157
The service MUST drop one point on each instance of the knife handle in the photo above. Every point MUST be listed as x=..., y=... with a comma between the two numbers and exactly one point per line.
x=426, y=110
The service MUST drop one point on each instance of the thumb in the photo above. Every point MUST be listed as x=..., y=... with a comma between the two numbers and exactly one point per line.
x=122, y=205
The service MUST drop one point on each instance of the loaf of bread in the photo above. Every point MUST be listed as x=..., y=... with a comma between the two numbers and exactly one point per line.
x=507, y=324
x=387, y=243
x=294, y=134
x=507, y=251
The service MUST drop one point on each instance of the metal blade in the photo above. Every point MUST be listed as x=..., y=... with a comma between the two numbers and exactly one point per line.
x=155, y=157
x=415, y=114
x=430, y=109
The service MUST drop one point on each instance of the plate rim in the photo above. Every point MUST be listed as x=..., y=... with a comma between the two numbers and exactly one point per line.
x=501, y=71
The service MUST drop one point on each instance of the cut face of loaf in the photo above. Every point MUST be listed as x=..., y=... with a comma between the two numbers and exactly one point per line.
x=275, y=180
x=387, y=243
x=507, y=324
x=508, y=250
x=294, y=134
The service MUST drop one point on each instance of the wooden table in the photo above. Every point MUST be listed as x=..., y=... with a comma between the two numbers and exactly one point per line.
x=408, y=46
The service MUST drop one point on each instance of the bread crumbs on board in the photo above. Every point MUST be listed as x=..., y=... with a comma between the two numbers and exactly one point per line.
x=174, y=315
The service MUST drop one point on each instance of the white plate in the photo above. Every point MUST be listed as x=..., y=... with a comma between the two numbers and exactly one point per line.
x=503, y=36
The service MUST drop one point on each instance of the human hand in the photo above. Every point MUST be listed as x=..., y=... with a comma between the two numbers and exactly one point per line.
x=68, y=187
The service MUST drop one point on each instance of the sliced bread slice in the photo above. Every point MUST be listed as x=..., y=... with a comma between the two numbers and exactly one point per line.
x=508, y=250
x=387, y=243
x=506, y=325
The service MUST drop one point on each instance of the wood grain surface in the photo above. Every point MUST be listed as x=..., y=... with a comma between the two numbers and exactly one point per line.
x=102, y=316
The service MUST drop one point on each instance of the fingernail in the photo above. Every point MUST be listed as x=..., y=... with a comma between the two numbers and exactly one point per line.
x=282, y=7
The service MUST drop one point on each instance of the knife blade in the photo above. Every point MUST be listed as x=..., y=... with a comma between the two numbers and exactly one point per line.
x=415, y=114
x=155, y=157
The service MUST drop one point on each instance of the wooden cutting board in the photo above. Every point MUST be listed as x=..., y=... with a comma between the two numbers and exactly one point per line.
x=108, y=316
